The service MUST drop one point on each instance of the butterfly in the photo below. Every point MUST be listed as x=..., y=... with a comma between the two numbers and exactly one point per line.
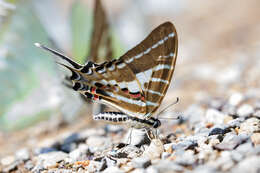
x=135, y=83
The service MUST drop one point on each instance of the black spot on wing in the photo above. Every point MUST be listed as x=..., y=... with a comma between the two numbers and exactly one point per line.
x=75, y=76
x=109, y=64
x=76, y=86
x=99, y=85
x=86, y=67
x=88, y=95
x=101, y=92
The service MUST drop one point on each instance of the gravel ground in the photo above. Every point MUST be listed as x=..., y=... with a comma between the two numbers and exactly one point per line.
x=220, y=136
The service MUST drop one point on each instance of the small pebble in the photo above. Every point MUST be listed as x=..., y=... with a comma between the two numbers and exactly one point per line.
x=245, y=110
x=98, y=142
x=128, y=151
x=256, y=138
x=185, y=145
x=249, y=165
x=236, y=156
x=141, y=162
x=251, y=125
x=23, y=154
x=81, y=153
x=186, y=159
x=235, y=99
x=29, y=165
x=51, y=159
x=217, y=131
x=214, y=116
x=235, y=122
x=231, y=141
x=95, y=166
x=257, y=114
x=168, y=166
x=154, y=150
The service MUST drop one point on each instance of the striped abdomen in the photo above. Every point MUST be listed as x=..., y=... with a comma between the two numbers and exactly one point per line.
x=121, y=118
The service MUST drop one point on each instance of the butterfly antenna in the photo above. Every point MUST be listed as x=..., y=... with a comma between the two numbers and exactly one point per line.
x=178, y=117
x=64, y=57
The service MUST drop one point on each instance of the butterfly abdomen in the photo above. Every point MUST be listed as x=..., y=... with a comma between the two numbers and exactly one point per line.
x=112, y=117
x=121, y=118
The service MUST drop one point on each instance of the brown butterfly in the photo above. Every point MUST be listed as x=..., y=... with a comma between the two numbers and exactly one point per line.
x=135, y=83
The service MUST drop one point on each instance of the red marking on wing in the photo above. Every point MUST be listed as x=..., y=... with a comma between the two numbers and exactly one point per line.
x=96, y=97
x=136, y=95
x=93, y=90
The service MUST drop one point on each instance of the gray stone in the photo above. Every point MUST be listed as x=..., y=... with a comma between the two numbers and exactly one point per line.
x=23, y=154
x=51, y=159
x=29, y=165
x=80, y=153
x=235, y=99
x=217, y=131
x=109, y=162
x=214, y=116
x=12, y=167
x=246, y=149
x=185, y=145
x=154, y=150
x=44, y=150
x=97, y=143
x=251, y=125
x=151, y=169
x=38, y=168
x=245, y=110
x=186, y=159
x=139, y=170
x=224, y=162
x=168, y=166
x=141, y=162
x=235, y=122
x=248, y=165
x=236, y=156
x=95, y=166
x=231, y=141
x=229, y=109
x=203, y=169
x=128, y=151
x=257, y=114
x=68, y=147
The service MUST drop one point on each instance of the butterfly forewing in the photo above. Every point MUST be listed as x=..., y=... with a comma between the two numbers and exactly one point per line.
x=136, y=82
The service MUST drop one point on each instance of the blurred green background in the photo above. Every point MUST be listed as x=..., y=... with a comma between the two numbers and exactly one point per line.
x=30, y=88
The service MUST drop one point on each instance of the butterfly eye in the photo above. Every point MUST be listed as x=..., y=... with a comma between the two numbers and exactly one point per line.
x=157, y=123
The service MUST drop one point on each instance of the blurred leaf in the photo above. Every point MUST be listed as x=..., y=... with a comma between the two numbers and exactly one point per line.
x=117, y=46
x=25, y=71
x=81, y=28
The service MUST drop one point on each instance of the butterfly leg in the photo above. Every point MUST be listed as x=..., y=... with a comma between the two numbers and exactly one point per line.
x=130, y=136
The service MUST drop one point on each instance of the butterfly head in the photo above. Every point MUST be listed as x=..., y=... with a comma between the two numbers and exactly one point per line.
x=157, y=123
